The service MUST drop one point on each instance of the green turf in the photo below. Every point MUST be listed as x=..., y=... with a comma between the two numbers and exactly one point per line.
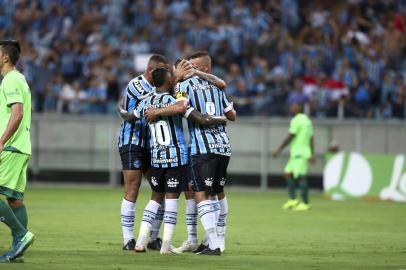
x=80, y=229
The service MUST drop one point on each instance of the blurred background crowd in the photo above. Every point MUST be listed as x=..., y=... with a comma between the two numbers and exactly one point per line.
x=339, y=58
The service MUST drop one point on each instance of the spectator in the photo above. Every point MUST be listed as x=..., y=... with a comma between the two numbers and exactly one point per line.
x=242, y=99
x=356, y=43
x=72, y=99
x=297, y=96
x=113, y=93
x=96, y=95
x=53, y=92
x=363, y=99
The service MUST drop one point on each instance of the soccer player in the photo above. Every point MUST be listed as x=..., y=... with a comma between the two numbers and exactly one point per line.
x=135, y=155
x=15, y=149
x=169, y=156
x=210, y=151
x=182, y=70
x=191, y=244
x=301, y=151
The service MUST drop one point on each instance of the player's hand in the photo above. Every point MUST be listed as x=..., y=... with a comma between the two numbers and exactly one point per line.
x=184, y=69
x=185, y=64
x=151, y=114
x=121, y=109
x=189, y=74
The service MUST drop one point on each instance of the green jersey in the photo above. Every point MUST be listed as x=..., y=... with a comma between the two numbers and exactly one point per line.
x=14, y=89
x=301, y=126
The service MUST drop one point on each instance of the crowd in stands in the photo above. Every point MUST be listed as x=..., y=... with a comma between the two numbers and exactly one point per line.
x=337, y=58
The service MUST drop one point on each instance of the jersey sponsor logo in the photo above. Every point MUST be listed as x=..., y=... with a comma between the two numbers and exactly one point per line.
x=14, y=93
x=156, y=106
x=173, y=182
x=197, y=87
x=219, y=145
x=138, y=86
x=165, y=160
x=213, y=130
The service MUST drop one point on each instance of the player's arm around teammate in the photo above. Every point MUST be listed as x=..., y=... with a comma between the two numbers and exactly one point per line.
x=134, y=152
x=183, y=70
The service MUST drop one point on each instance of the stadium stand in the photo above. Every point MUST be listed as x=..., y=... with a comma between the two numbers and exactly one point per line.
x=340, y=58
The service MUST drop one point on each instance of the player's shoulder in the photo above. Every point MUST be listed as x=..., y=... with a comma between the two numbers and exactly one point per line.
x=13, y=77
x=138, y=85
x=13, y=82
x=136, y=80
x=305, y=117
x=301, y=118
x=169, y=98
x=151, y=96
x=190, y=82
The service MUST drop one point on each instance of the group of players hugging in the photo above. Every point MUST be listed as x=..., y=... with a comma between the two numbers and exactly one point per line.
x=152, y=142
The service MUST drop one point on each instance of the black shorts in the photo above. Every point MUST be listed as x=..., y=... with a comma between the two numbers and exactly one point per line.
x=169, y=180
x=208, y=172
x=135, y=158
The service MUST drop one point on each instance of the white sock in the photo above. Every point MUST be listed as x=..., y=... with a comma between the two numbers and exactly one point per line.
x=216, y=205
x=206, y=240
x=127, y=220
x=148, y=217
x=222, y=222
x=191, y=220
x=208, y=219
x=156, y=224
x=170, y=219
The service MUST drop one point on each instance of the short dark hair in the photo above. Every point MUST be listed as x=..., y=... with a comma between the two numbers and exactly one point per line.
x=159, y=76
x=158, y=58
x=12, y=48
x=197, y=54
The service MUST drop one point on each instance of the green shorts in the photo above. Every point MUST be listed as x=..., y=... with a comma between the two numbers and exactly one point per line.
x=297, y=166
x=13, y=174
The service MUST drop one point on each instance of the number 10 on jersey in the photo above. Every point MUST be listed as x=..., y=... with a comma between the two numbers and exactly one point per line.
x=160, y=133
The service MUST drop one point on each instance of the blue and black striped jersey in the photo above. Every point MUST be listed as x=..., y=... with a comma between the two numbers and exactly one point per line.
x=167, y=141
x=207, y=99
x=135, y=133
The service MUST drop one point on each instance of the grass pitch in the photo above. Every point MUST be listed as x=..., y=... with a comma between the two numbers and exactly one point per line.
x=79, y=228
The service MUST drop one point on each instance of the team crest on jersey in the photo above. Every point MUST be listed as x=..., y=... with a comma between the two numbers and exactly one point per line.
x=209, y=181
x=153, y=181
x=137, y=163
x=173, y=182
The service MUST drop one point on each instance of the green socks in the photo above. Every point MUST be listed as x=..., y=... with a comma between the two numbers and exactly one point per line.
x=305, y=190
x=7, y=216
x=21, y=215
x=292, y=189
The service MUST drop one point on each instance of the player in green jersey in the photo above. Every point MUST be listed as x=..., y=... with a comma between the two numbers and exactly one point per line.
x=15, y=149
x=301, y=152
